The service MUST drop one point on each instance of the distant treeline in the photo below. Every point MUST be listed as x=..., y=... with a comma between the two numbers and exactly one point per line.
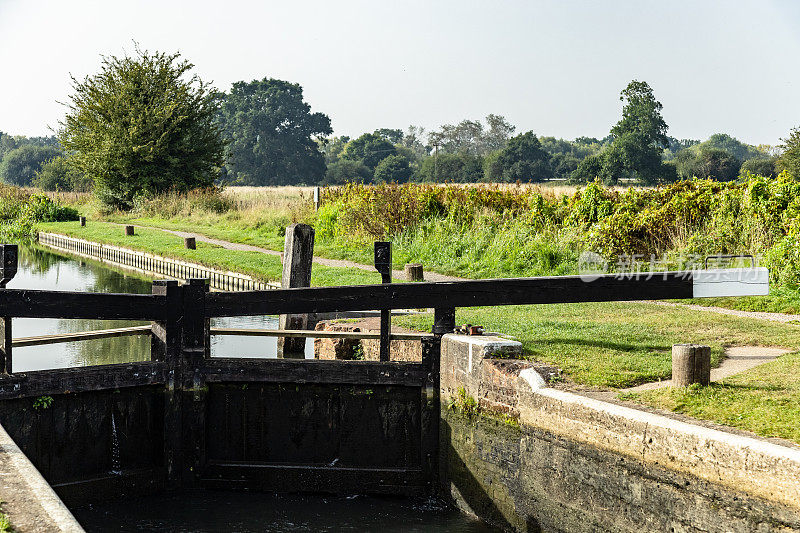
x=263, y=133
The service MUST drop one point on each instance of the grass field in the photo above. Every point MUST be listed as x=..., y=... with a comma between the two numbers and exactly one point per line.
x=259, y=265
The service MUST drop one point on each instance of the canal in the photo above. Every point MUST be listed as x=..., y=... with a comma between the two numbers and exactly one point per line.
x=200, y=510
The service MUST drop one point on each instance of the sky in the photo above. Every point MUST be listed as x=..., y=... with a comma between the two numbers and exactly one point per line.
x=554, y=67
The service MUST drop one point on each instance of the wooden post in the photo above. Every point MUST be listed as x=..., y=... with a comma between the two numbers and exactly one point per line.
x=189, y=243
x=298, y=256
x=128, y=231
x=316, y=198
x=383, y=264
x=166, y=346
x=429, y=417
x=414, y=272
x=444, y=320
x=195, y=348
x=82, y=220
x=9, y=259
x=691, y=363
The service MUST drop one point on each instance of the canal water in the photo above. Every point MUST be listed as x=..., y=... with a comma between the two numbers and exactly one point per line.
x=200, y=511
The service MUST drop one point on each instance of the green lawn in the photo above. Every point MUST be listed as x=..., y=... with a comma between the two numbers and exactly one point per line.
x=616, y=345
x=259, y=265
x=764, y=400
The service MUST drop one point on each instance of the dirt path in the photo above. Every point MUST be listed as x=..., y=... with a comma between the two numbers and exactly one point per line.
x=399, y=274
x=737, y=360
x=759, y=315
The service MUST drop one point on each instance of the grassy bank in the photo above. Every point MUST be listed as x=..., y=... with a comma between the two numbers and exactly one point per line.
x=259, y=265
x=618, y=345
x=764, y=400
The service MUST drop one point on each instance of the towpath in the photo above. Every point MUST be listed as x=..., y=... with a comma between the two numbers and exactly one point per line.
x=399, y=274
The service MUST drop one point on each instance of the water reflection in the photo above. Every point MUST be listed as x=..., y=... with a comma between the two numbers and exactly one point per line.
x=43, y=270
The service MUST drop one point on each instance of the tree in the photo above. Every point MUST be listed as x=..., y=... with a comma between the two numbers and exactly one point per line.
x=19, y=166
x=471, y=137
x=733, y=146
x=272, y=134
x=332, y=147
x=460, y=168
x=760, y=166
x=638, y=141
x=641, y=114
x=524, y=159
x=60, y=174
x=789, y=160
x=708, y=163
x=346, y=170
x=392, y=169
x=142, y=126
x=394, y=136
x=370, y=149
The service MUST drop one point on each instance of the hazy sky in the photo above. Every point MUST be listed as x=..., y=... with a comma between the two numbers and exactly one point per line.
x=554, y=67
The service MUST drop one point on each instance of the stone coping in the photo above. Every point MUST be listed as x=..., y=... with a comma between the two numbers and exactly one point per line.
x=28, y=500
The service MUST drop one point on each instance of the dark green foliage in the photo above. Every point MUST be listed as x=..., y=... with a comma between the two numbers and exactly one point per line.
x=392, y=169
x=707, y=163
x=641, y=114
x=733, y=146
x=272, y=133
x=523, y=159
x=369, y=149
x=638, y=141
x=394, y=136
x=19, y=166
x=760, y=166
x=140, y=127
x=346, y=170
x=460, y=168
x=60, y=174
x=789, y=160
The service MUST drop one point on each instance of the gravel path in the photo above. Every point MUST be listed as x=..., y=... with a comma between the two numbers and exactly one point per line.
x=399, y=274
x=773, y=317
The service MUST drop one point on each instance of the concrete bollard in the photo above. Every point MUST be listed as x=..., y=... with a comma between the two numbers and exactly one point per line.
x=189, y=243
x=82, y=220
x=691, y=363
x=414, y=272
x=128, y=231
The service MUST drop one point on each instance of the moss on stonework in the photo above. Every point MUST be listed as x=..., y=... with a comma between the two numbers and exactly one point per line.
x=468, y=407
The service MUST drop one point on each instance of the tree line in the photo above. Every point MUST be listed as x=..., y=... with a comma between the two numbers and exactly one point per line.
x=145, y=124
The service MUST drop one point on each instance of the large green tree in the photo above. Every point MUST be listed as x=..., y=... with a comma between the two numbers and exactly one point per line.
x=143, y=125
x=20, y=165
x=273, y=134
x=370, y=149
x=789, y=159
x=523, y=159
x=640, y=137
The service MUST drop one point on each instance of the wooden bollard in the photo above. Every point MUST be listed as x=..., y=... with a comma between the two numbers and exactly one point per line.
x=414, y=272
x=691, y=363
x=189, y=243
x=298, y=255
x=82, y=220
x=128, y=231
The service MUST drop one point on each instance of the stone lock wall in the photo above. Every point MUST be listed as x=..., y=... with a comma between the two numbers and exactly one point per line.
x=368, y=349
x=526, y=457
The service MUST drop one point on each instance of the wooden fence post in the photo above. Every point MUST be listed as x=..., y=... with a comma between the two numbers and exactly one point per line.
x=444, y=320
x=298, y=256
x=165, y=346
x=383, y=264
x=189, y=243
x=691, y=363
x=316, y=198
x=128, y=231
x=414, y=272
x=195, y=349
x=82, y=220
x=431, y=410
x=9, y=258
